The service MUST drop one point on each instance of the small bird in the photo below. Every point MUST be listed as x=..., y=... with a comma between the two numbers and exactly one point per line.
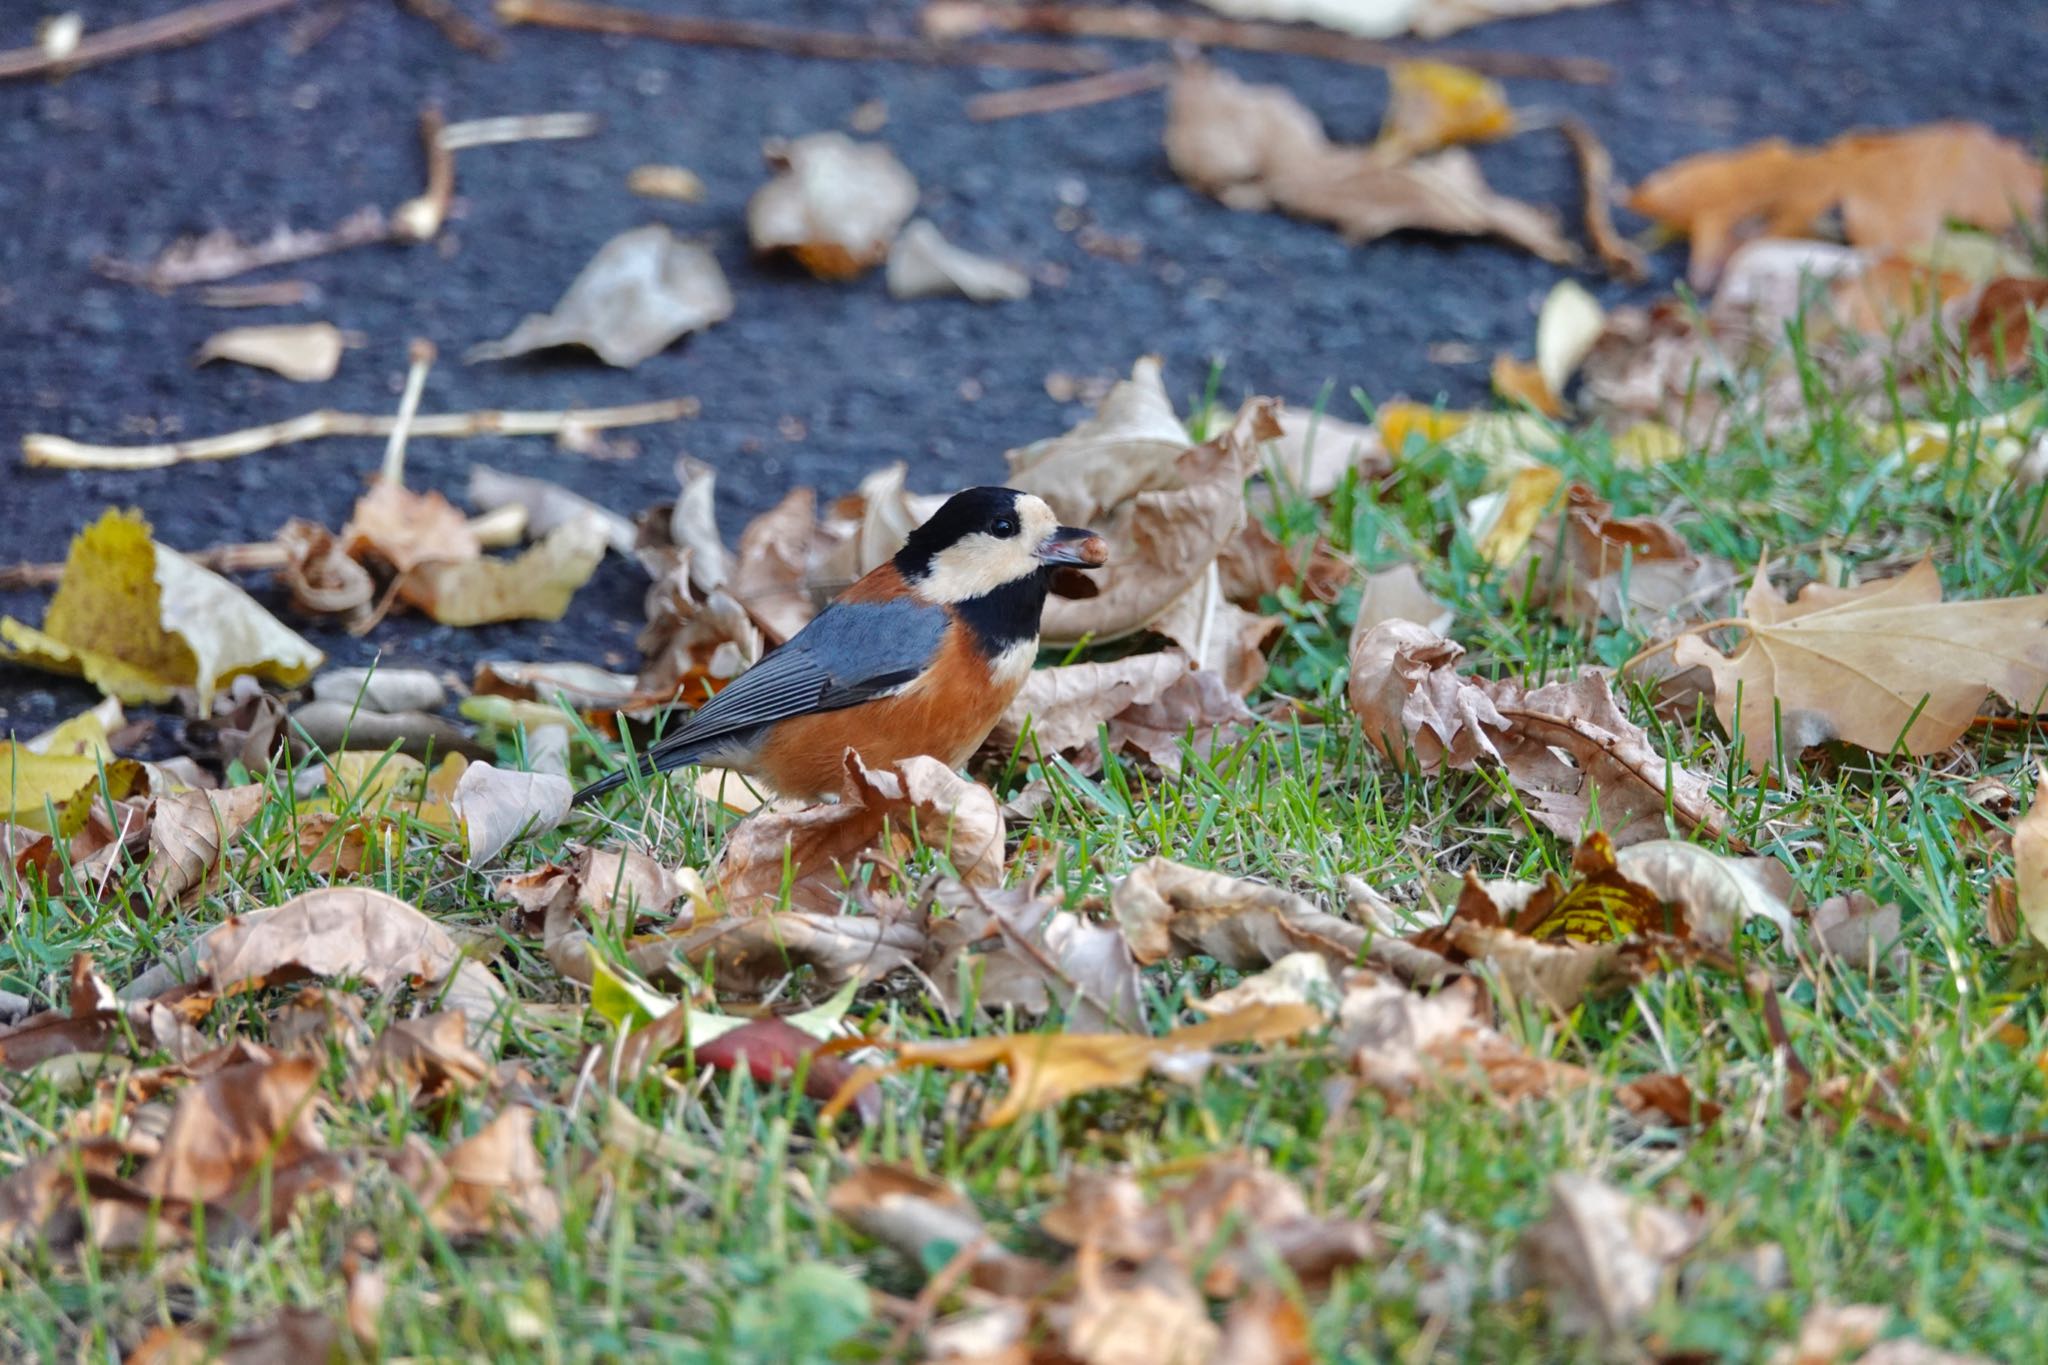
x=921, y=656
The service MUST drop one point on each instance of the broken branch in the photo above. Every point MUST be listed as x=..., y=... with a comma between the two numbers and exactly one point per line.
x=945, y=20
x=1075, y=94
x=175, y=29
x=1596, y=178
x=417, y=220
x=56, y=452
x=585, y=17
x=220, y=255
x=492, y=132
x=457, y=27
x=408, y=411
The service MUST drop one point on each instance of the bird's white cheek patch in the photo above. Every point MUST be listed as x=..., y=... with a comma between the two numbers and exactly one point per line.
x=1009, y=668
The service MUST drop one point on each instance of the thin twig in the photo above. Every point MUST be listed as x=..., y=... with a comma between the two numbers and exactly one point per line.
x=1596, y=178
x=175, y=29
x=270, y=294
x=418, y=220
x=951, y=19
x=57, y=452
x=1075, y=94
x=794, y=42
x=393, y=471
x=457, y=27
x=491, y=132
x=220, y=255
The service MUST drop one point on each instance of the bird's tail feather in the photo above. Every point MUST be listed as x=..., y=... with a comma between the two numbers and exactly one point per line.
x=646, y=763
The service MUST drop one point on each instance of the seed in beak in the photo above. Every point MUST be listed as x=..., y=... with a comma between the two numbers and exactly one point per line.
x=1075, y=545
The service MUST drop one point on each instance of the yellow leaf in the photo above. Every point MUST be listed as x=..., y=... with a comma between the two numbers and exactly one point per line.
x=537, y=586
x=1504, y=520
x=1434, y=104
x=2030, y=863
x=1520, y=381
x=69, y=783
x=1429, y=426
x=1646, y=444
x=142, y=622
x=85, y=733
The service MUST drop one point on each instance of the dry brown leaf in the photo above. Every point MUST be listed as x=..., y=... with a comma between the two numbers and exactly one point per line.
x=923, y=264
x=918, y=796
x=642, y=290
x=1603, y=1256
x=1566, y=745
x=861, y=530
x=1402, y=1043
x=1163, y=542
x=297, y=1336
x=406, y=529
x=835, y=204
x=751, y=954
x=1131, y=445
x=1830, y=1334
x=1296, y=979
x=305, y=352
x=1046, y=1069
x=2030, y=863
x=917, y=1215
x=491, y=1183
x=1895, y=190
x=1882, y=666
x=322, y=580
x=536, y=586
x=770, y=566
x=188, y=833
x=1257, y=147
x=96, y=1021
x=2001, y=331
x=1221, y=639
x=1314, y=451
x=1005, y=948
x=1586, y=564
x=1150, y=702
x=1150, y=1315
x=421, y=1058
x=1397, y=594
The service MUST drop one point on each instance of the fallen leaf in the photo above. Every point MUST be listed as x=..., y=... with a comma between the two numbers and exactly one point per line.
x=642, y=290
x=1164, y=541
x=1402, y=1044
x=489, y=1184
x=1861, y=934
x=750, y=954
x=537, y=586
x=1603, y=1256
x=421, y=1058
x=495, y=806
x=1669, y=1098
x=1435, y=104
x=928, y=1222
x=923, y=264
x=1567, y=325
x=1150, y=1315
x=2030, y=863
x=813, y=845
x=188, y=833
x=1505, y=520
x=1888, y=665
x=55, y=793
x=835, y=204
x=305, y=352
x=407, y=528
x=1296, y=979
x=297, y=1336
x=1131, y=445
x=1149, y=702
x=1257, y=147
x=2001, y=331
x=547, y=505
x=321, y=578
x=1006, y=949
x=666, y=182
x=1586, y=564
x=142, y=622
x=770, y=1050
x=388, y=690
x=1566, y=745
x=247, y=1136
x=96, y=1021
x=1315, y=451
x=1895, y=190
x=1397, y=594
x=1386, y=18
x=1046, y=1069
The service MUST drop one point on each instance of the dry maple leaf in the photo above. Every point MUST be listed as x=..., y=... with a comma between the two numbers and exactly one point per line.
x=1894, y=190
x=1887, y=665
x=188, y=834
x=1256, y=147
x=1132, y=443
x=1047, y=1068
x=642, y=290
x=834, y=204
x=1017, y=951
x=491, y=1183
x=1603, y=1256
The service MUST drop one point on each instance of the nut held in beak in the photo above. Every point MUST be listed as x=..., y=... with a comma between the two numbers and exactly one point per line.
x=1074, y=545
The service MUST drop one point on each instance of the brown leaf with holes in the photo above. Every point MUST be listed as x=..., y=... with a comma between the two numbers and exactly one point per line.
x=1895, y=190
x=1885, y=664
x=489, y=1184
x=1256, y=147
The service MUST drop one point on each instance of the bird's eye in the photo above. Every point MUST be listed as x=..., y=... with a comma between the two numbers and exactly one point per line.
x=1005, y=527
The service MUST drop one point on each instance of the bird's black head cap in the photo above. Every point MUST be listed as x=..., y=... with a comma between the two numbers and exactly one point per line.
x=990, y=510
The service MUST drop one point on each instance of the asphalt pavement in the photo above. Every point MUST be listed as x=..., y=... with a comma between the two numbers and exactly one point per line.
x=808, y=382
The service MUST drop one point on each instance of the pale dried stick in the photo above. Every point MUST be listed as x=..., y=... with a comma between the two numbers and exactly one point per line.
x=1596, y=177
x=492, y=132
x=408, y=408
x=794, y=42
x=57, y=452
x=1074, y=94
x=174, y=29
x=220, y=255
x=271, y=294
x=457, y=27
x=417, y=220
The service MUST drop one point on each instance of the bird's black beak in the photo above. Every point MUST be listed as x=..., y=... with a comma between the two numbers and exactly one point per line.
x=1076, y=545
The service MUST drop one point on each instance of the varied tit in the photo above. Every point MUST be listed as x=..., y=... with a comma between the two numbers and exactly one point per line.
x=921, y=656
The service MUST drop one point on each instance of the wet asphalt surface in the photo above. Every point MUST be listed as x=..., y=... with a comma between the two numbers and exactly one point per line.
x=808, y=382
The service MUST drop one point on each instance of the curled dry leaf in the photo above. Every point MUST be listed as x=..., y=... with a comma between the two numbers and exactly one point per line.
x=421, y=1058
x=1402, y=1044
x=1018, y=951
x=142, y=622
x=489, y=1184
x=834, y=204
x=1163, y=542
x=322, y=580
x=495, y=806
x=642, y=290
x=864, y=528
x=188, y=833
x=1882, y=666
x=1587, y=564
x=1257, y=147
x=1397, y=594
x=294, y=1337
x=1149, y=702
x=97, y=1021
x=1046, y=1069
x=919, y=796
x=1895, y=190
x=536, y=586
x=1861, y=934
x=1133, y=443
x=1434, y=104
x=1603, y=1256
x=1566, y=745
x=305, y=352
x=406, y=528
x=547, y=505
x=332, y=726
x=923, y=264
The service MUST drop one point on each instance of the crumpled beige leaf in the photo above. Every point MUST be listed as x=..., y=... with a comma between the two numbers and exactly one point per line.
x=1833, y=1333
x=1027, y=953
x=1856, y=664
x=547, y=505
x=958, y=818
x=1586, y=564
x=496, y=806
x=1257, y=147
x=1861, y=934
x=1603, y=1256
x=489, y=1184
x=864, y=528
x=2030, y=862
x=835, y=204
x=1219, y=637
x=536, y=586
x=1150, y=702
x=421, y=1057
x=142, y=622
x=1132, y=444
x=642, y=290
x=188, y=834
x=305, y=352
x=1403, y=1044
x=1566, y=745
x=923, y=264
x=1386, y=18
x=1163, y=542
x=1397, y=594
x=1314, y=451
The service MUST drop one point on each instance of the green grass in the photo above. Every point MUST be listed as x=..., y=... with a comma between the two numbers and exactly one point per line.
x=734, y=1257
